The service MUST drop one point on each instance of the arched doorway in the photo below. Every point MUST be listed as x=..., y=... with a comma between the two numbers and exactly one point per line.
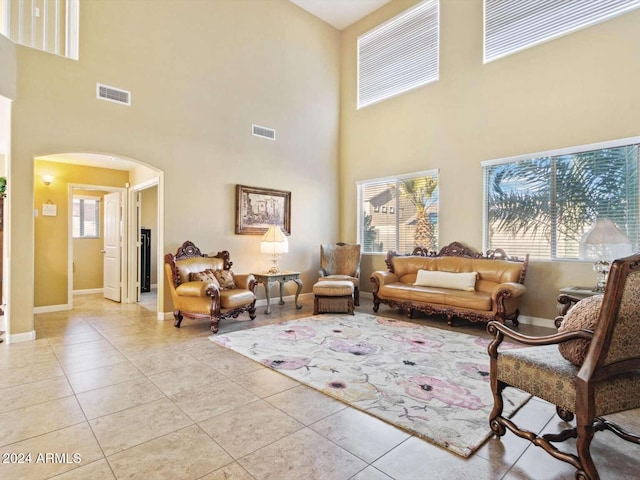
x=89, y=175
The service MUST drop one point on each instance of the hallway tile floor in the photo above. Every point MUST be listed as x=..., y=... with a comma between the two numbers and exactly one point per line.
x=115, y=393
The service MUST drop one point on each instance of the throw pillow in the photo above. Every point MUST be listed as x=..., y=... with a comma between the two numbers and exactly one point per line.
x=583, y=315
x=205, y=276
x=225, y=278
x=456, y=281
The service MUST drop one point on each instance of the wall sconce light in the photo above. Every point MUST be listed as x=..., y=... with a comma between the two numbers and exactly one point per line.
x=48, y=179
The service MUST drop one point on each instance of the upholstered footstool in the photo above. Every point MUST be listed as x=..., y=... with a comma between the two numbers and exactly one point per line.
x=333, y=296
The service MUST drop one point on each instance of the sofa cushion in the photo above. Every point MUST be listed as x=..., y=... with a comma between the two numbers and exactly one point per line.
x=190, y=265
x=204, y=276
x=225, y=279
x=236, y=297
x=583, y=315
x=456, y=281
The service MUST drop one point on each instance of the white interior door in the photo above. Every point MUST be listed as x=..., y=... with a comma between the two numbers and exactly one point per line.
x=112, y=251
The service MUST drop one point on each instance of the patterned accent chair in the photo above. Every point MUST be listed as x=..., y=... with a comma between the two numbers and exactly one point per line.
x=341, y=261
x=608, y=381
x=204, y=287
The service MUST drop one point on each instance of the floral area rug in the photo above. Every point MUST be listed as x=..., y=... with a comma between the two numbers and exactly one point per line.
x=433, y=383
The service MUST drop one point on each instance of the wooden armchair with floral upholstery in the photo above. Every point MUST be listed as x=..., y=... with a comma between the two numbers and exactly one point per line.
x=205, y=287
x=589, y=370
x=341, y=261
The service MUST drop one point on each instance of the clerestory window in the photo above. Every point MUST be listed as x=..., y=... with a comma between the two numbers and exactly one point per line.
x=399, y=55
x=511, y=26
x=48, y=25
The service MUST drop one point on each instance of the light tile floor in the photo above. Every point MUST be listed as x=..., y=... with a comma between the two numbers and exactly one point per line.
x=125, y=395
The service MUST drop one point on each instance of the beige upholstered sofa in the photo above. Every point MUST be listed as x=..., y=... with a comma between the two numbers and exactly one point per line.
x=456, y=282
x=204, y=287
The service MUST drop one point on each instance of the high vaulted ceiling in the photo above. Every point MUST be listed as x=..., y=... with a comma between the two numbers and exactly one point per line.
x=340, y=13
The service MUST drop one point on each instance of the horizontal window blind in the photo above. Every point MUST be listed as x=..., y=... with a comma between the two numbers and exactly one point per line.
x=399, y=55
x=86, y=217
x=511, y=26
x=544, y=205
x=399, y=213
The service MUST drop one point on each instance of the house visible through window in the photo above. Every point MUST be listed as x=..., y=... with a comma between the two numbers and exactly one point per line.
x=412, y=219
x=543, y=204
x=86, y=217
x=399, y=55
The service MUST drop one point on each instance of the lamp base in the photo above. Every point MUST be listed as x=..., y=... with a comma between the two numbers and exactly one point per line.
x=601, y=268
x=274, y=268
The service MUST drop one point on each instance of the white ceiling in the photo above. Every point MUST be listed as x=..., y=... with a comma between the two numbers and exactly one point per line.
x=340, y=13
x=91, y=160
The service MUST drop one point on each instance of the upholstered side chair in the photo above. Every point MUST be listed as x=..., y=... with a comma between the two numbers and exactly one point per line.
x=341, y=261
x=596, y=374
x=204, y=287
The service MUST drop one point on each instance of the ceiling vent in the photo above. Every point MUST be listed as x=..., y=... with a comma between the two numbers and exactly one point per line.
x=112, y=94
x=263, y=132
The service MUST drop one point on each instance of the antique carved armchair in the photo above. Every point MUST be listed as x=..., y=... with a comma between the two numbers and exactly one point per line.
x=204, y=287
x=605, y=382
x=341, y=261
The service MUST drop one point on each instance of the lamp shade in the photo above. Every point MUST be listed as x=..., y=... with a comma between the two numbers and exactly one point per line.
x=604, y=241
x=274, y=241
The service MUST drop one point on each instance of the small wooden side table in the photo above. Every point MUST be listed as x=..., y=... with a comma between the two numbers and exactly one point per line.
x=577, y=292
x=580, y=292
x=266, y=279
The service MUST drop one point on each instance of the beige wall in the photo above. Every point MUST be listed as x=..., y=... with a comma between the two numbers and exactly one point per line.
x=197, y=86
x=52, y=233
x=149, y=214
x=575, y=90
x=88, y=260
x=8, y=72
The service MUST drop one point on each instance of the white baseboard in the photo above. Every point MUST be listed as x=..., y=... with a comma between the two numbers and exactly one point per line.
x=22, y=337
x=165, y=315
x=51, y=308
x=154, y=285
x=88, y=291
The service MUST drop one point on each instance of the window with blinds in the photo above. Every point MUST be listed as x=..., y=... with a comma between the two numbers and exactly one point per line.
x=398, y=213
x=86, y=217
x=543, y=204
x=399, y=55
x=513, y=26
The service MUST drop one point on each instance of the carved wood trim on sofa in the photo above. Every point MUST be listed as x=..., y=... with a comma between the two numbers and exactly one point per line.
x=214, y=312
x=456, y=249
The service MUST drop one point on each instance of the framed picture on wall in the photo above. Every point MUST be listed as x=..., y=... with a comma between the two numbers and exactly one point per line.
x=259, y=208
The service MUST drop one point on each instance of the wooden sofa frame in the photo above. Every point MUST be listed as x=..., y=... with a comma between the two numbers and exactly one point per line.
x=455, y=249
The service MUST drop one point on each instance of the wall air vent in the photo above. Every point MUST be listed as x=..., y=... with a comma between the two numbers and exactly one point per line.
x=263, y=132
x=112, y=94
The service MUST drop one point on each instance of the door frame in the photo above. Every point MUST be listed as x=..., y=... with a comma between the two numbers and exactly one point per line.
x=134, y=240
x=124, y=246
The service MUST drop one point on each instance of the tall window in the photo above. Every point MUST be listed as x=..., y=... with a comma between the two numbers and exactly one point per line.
x=86, y=217
x=543, y=204
x=398, y=213
x=399, y=55
x=48, y=25
x=511, y=26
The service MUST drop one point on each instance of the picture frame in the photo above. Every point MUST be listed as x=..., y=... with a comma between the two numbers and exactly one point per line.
x=259, y=208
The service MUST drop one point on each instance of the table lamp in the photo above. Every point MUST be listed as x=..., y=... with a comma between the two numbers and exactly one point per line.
x=275, y=243
x=603, y=243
